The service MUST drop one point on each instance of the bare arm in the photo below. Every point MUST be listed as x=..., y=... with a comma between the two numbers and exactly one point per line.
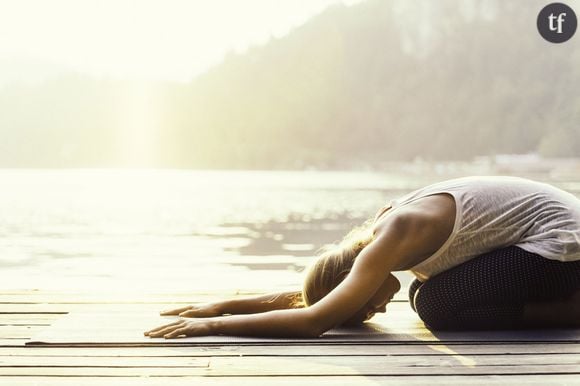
x=398, y=240
x=292, y=323
x=264, y=303
x=342, y=302
x=248, y=305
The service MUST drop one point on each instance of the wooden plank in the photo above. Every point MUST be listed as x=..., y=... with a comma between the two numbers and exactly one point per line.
x=54, y=361
x=318, y=363
x=296, y=366
x=479, y=380
x=10, y=342
x=39, y=308
x=387, y=365
x=382, y=367
x=320, y=381
x=102, y=371
x=20, y=331
x=23, y=324
x=429, y=373
x=27, y=319
x=300, y=350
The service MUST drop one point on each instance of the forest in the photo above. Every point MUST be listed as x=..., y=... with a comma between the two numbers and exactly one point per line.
x=355, y=85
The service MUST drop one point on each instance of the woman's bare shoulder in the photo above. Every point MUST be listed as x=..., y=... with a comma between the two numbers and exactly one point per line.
x=428, y=222
x=434, y=208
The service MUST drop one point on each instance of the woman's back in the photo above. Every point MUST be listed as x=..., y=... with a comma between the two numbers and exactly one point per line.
x=497, y=211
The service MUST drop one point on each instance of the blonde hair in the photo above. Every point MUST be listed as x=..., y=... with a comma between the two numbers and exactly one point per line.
x=334, y=263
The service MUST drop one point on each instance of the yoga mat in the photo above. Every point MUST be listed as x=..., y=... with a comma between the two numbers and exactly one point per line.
x=99, y=327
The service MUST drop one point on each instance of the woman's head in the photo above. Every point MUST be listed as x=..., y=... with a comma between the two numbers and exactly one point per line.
x=334, y=264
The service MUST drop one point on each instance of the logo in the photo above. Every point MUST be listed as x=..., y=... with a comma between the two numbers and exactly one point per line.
x=557, y=22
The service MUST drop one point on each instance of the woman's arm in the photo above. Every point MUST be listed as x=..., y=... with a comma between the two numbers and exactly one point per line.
x=370, y=270
x=399, y=239
x=250, y=305
x=292, y=323
x=368, y=273
x=264, y=303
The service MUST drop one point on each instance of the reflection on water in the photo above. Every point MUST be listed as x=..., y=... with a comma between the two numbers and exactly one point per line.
x=299, y=235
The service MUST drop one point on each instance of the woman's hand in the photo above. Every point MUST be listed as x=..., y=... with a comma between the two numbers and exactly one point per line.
x=182, y=327
x=204, y=310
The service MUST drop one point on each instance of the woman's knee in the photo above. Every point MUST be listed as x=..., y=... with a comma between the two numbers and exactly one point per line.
x=437, y=310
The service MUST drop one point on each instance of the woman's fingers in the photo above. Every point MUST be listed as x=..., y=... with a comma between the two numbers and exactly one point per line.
x=176, y=311
x=176, y=333
x=155, y=331
x=197, y=313
x=187, y=328
x=162, y=332
x=191, y=328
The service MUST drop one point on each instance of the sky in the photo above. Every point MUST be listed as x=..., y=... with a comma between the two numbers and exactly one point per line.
x=171, y=40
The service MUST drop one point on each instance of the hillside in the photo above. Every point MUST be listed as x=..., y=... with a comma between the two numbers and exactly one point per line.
x=378, y=81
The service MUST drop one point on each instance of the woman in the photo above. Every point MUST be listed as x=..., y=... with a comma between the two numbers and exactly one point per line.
x=492, y=252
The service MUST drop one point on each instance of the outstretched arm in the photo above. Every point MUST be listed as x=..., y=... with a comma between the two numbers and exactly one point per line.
x=293, y=323
x=369, y=271
x=398, y=240
x=248, y=305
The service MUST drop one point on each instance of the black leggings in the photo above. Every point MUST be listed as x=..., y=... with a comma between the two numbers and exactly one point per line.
x=489, y=291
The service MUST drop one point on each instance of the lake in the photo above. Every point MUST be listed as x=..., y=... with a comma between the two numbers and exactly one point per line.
x=180, y=230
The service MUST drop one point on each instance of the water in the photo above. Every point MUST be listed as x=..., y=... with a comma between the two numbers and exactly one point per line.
x=123, y=229
x=167, y=230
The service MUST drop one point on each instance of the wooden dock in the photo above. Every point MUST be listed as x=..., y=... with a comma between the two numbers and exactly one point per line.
x=25, y=313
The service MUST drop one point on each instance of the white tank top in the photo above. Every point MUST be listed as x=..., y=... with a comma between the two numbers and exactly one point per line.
x=498, y=211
